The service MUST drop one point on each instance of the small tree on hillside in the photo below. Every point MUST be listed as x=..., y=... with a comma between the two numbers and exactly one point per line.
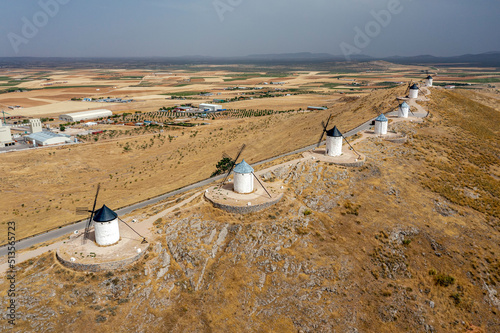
x=223, y=166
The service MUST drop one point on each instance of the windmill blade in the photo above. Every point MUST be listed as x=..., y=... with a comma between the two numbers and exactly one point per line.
x=325, y=129
x=239, y=154
x=359, y=156
x=321, y=138
x=409, y=109
x=228, y=173
x=408, y=88
x=327, y=122
x=82, y=210
x=265, y=189
x=95, y=199
x=233, y=164
x=87, y=227
x=144, y=241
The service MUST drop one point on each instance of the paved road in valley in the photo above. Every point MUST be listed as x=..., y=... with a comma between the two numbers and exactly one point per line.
x=80, y=225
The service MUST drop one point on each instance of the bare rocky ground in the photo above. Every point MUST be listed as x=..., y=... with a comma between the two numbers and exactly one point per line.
x=367, y=249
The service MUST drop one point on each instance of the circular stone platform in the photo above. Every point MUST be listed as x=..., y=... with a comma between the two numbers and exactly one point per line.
x=348, y=158
x=90, y=257
x=226, y=199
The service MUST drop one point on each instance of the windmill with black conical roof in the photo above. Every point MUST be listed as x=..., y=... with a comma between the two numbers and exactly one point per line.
x=106, y=224
x=333, y=140
x=428, y=81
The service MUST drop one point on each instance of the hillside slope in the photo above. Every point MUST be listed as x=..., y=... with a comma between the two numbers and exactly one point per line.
x=44, y=187
x=407, y=243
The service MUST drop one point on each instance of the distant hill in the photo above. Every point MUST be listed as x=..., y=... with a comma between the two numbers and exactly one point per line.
x=489, y=59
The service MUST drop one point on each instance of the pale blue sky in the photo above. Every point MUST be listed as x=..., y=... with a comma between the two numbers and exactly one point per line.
x=136, y=28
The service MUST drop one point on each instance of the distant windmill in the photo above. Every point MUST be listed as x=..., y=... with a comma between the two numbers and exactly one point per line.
x=403, y=110
x=243, y=176
x=333, y=140
x=428, y=81
x=106, y=226
x=413, y=90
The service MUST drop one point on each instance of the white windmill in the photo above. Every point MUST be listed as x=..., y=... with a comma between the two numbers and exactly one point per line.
x=243, y=176
x=413, y=91
x=333, y=140
x=381, y=123
x=106, y=224
x=404, y=108
x=428, y=81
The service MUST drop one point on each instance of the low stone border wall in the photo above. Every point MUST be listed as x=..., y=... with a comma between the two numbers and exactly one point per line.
x=106, y=266
x=244, y=209
x=398, y=140
x=352, y=164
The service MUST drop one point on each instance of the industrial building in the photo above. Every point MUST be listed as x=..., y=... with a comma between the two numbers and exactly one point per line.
x=85, y=115
x=47, y=139
x=35, y=125
x=316, y=108
x=210, y=107
x=5, y=136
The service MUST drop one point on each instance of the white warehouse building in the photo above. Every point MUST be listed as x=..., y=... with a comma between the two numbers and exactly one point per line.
x=48, y=139
x=85, y=115
x=210, y=107
x=5, y=134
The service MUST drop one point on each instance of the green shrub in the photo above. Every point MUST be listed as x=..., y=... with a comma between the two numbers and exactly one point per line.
x=444, y=280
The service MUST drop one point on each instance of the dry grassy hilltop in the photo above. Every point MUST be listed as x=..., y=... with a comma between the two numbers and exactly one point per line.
x=50, y=184
x=407, y=243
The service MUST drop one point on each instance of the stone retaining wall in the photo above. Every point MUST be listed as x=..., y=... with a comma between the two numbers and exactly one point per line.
x=107, y=266
x=352, y=164
x=244, y=209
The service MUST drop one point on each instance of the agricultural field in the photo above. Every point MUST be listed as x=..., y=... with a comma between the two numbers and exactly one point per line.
x=406, y=243
x=138, y=163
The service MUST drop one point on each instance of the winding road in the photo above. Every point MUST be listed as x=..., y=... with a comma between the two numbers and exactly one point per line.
x=80, y=225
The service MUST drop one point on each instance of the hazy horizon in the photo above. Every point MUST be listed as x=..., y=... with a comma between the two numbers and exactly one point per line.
x=232, y=28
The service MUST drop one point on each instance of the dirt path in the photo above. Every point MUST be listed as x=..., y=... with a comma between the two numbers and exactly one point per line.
x=145, y=227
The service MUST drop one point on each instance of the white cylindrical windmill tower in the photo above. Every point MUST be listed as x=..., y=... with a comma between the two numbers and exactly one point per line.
x=403, y=110
x=107, y=231
x=428, y=81
x=381, y=123
x=333, y=142
x=243, y=178
x=414, y=91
